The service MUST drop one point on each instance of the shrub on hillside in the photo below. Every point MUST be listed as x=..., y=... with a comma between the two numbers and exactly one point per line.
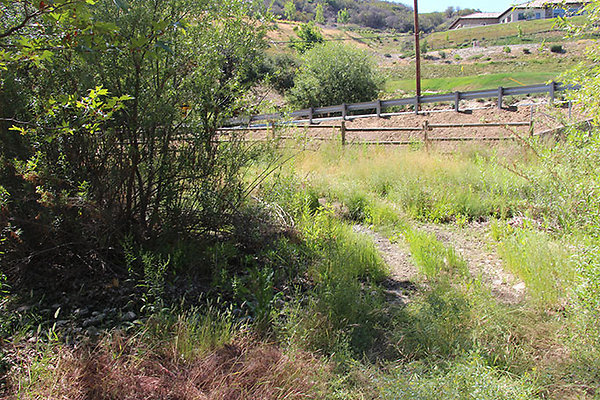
x=557, y=48
x=334, y=74
x=309, y=35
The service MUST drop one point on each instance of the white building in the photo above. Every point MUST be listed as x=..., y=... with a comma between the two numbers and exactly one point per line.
x=536, y=9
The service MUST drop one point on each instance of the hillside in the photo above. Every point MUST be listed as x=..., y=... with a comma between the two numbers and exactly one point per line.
x=535, y=31
x=376, y=14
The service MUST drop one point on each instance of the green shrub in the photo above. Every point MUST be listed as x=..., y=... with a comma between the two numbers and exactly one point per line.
x=309, y=35
x=557, y=48
x=281, y=70
x=334, y=74
x=506, y=49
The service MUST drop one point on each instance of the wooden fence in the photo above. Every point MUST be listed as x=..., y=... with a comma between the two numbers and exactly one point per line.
x=424, y=129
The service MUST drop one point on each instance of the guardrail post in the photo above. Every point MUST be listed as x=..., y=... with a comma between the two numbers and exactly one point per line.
x=310, y=115
x=500, y=97
x=552, y=90
x=417, y=101
x=378, y=108
x=457, y=101
x=343, y=132
x=344, y=111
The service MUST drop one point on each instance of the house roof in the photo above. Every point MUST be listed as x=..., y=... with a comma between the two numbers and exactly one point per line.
x=474, y=16
x=481, y=15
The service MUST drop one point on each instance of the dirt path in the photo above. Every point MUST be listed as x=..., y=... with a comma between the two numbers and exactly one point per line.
x=402, y=271
x=471, y=242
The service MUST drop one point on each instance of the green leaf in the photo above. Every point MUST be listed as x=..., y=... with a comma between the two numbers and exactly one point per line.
x=122, y=4
x=164, y=46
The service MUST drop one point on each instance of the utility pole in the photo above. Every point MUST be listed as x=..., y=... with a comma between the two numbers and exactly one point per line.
x=417, y=50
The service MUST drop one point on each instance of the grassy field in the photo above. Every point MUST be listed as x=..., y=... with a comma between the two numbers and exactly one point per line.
x=473, y=82
x=477, y=73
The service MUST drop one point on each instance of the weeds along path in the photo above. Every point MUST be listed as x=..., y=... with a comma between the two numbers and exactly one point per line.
x=471, y=242
x=402, y=271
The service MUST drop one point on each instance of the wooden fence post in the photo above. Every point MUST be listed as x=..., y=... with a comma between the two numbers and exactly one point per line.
x=271, y=129
x=344, y=111
x=310, y=115
x=378, y=108
x=417, y=101
x=500, y=97
x=457, y=101
x=343, y=132
x=552, y=90
x=426, y=135
x=531, y=122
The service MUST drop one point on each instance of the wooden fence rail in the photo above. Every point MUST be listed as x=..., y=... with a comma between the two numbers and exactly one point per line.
x=426, y=128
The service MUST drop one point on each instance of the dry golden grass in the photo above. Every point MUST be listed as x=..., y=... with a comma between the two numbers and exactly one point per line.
x=122, y=367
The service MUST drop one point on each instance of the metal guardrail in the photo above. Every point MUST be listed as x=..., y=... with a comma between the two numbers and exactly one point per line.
x=379, y=105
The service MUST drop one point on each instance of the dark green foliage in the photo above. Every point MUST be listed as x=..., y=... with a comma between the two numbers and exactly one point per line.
x=334, y=74
x=557, y=48
x=280, y=71
x=116, y=135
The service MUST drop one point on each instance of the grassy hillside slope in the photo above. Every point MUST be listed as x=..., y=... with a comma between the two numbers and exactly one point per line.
x=519, y=32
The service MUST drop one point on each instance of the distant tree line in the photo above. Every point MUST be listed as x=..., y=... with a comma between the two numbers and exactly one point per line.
x=374, y=14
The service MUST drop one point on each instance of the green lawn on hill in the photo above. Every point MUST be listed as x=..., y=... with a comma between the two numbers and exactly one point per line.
x=472, y=82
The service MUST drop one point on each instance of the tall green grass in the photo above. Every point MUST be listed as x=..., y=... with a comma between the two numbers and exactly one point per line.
x=466, y=378
x=433, y=257
x=429, y=187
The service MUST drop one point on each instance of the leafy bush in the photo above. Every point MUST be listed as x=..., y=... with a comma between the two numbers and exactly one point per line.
x=334, y=74
x=557, y=48
x=124, y=142
x=309, y=35
x=280, y=70
x=506, y=49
